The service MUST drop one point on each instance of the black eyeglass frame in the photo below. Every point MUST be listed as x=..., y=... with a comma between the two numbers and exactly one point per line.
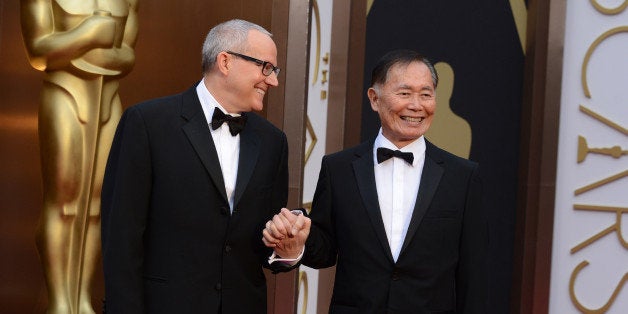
x=265, y=64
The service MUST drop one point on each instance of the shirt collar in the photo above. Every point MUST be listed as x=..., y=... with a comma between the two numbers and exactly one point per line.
x=208, y=102
x=417, y=147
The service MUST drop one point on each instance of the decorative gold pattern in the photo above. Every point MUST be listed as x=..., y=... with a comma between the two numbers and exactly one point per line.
x=369, y=4
x=587, y=56
x=520, y=14
x=606, y=11
x=616, y=152
x=574, y=299
x=317, y=20
x=604, y=120
x=601, y=182
x=583, y=149
x=303, y=283
x=614, y=227
x=310, y=131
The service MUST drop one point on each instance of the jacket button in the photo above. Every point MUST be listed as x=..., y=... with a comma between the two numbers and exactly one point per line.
x=227, y=248
x=395, y=275
x=218, y=287
x=224, y=211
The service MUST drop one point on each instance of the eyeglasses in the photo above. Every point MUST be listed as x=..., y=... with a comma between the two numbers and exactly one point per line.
x=267, y=67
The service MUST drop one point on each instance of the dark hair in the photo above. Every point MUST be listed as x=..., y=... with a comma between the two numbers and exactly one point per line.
x=402, y=57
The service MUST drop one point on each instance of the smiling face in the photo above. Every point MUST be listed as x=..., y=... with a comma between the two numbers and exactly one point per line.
x=245, y=81
x=406, y=102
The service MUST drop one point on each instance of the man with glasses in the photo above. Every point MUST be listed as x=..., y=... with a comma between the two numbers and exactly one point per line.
x=190, y=181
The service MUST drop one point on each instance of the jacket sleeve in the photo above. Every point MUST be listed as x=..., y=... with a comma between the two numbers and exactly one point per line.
x=279, y=200
x=125, y=203
x=320, y=247
x=472, y=272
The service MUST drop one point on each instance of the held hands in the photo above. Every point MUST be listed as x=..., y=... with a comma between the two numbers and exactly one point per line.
x=286, y=233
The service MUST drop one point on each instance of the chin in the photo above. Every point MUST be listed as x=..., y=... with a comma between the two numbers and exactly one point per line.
x=256, y=107
x=412, y=137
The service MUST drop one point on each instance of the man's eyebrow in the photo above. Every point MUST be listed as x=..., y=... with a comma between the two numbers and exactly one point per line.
x=427, y=88
x=423, y=88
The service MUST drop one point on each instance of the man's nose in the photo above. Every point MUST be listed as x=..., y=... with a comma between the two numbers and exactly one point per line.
x=272, y=80
x=415, y=102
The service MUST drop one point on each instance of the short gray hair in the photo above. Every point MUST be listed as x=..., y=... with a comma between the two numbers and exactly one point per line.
x=229, y=35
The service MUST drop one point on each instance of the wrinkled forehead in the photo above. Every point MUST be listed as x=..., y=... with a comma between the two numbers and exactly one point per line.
x=409, y=74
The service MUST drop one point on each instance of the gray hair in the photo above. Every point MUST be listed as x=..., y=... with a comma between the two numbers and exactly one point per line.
x=229, y=35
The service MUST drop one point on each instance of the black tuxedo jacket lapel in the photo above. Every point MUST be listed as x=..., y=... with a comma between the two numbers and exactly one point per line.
x=432, y=173
x=363, y=168
x=197, y=131
x=249, y=151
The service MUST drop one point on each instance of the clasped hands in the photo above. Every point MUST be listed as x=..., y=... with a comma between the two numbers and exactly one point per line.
x=286, y=233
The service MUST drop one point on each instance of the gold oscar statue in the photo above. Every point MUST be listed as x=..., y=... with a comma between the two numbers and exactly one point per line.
x=448, y=130
x=84, y=48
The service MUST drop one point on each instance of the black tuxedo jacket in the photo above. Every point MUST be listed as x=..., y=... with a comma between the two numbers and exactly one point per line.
x=442, y=264
x=170, y=243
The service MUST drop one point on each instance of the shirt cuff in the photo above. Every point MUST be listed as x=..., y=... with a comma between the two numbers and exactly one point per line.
x=290, y=261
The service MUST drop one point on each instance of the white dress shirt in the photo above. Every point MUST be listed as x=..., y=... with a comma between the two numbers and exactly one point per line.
x=397, y=188
x=227, y=145
x=228, y=149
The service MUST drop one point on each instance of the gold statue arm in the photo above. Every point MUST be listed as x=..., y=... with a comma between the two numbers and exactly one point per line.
x=49, y=49
x=121, y=57
x=132, y=25
x=130, y=38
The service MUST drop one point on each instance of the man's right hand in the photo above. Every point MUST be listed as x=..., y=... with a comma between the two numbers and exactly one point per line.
x=286, y=233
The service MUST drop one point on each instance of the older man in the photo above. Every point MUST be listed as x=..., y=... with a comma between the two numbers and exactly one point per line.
x=399, y=217
x=190, y=181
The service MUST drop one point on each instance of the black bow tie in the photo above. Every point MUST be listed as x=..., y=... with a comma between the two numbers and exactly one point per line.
x=236, y=124
x=384, y=154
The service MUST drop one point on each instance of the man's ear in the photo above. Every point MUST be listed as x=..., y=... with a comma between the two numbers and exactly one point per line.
x=223, y=63
x=373, y=97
